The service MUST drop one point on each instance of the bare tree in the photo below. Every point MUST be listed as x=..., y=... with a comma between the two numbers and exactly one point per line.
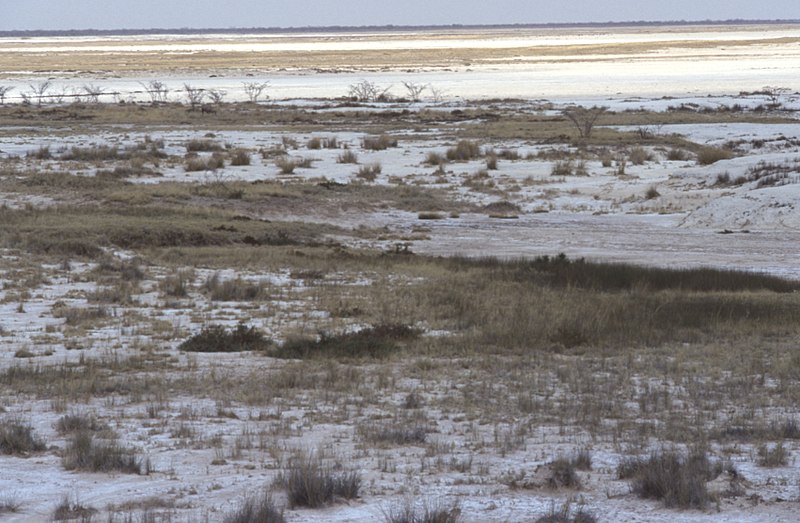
x=157, y=91
x=195, y=95
x=4, y=90
x=253, y=90
x=216, y=95
x=40, y=90
x=774, y=94
x=414, y=90
x=583, y=118
x=92, y=93
x=366, y=91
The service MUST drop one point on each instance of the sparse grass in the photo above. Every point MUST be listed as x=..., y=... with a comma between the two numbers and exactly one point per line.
x=204, y=163
x=404, y=433
x=85, y=453
x=773, y=456
x=215, y=338
x=18, y=438
x=76, y=422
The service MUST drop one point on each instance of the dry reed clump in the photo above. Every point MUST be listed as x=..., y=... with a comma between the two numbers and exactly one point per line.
x=425, y=512
x=348, y=156
x=203, y=145
x=369, y=172
x=709, y=155
x=201, y=163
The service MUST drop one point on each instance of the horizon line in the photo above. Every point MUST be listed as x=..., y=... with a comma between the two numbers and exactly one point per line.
x=383, y=27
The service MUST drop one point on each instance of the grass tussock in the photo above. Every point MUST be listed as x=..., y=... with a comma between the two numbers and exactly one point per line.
x=18, y=438
x=310, y=483
x=709, y=155
x=379, y=341
x=256, y=509
x=215, y=338
x=85, y=453
x=679, y=481
x=379, y=143
x=463, y=151
x=427, y=512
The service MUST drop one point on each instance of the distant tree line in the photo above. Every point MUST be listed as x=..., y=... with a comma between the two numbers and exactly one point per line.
x=376, y=28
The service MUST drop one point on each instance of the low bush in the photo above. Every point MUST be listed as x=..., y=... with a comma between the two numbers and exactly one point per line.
x=639, y=155
x=233, y=290
x=372, y=342
x=314, y=143
x=71, y=423
x=198, y=163
x=563, y=474
x=434, y=158
x=215, y=338
x=17, y=438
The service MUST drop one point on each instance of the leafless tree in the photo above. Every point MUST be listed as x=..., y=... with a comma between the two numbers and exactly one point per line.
x=216, y=95
x=774, y=94
x=414, y=90
x=366, y=91
x=157, y=91
x=92, y=93
x=40, y=90
x=194, y=95
x=4, y=90
x=253, y=90
x=583, y=118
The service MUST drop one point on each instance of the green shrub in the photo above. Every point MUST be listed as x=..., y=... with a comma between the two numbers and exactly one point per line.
x=215, y=338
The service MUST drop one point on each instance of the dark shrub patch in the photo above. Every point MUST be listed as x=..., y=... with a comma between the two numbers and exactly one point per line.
x=215, y=338
x=676, y=480
x=18, y=438
x=372, y=342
